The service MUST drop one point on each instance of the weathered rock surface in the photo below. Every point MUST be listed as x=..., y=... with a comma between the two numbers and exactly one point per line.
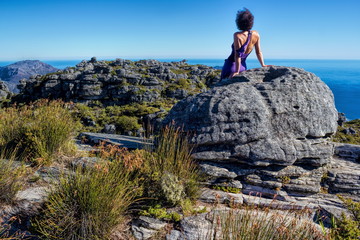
x=115, y=139
x=4, y=90
x=269, y=129
x=146, y=227
x=120, y=82
x=348, y=151
x=28, y=204
x=267, y=116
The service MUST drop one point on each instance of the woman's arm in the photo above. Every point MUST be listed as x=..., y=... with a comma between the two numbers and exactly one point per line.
x=237, y=45
x=259, y=53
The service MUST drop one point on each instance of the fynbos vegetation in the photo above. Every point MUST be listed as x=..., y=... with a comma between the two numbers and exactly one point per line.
x=35, y=133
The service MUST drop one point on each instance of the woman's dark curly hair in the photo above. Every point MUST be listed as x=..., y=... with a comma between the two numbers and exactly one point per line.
x=244, y=20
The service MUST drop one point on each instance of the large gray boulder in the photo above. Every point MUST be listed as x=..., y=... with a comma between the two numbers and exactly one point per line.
x=267, y=116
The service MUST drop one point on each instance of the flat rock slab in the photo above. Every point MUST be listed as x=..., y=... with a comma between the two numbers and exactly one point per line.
x=115, y=139
x=347, y=151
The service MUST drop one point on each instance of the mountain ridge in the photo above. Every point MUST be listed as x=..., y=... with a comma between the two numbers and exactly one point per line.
x=11, y=74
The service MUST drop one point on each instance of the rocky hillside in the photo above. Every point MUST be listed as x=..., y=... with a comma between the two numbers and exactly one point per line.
x=12, y=73
x=120, y=82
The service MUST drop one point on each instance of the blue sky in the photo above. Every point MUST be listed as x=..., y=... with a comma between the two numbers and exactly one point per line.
x=79, y=29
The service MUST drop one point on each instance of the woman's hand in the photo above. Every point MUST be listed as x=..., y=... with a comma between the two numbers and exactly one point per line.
x=267, y=65
x=233, y=74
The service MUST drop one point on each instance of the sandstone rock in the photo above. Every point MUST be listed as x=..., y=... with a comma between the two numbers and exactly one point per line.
x=109, y=129
x=4, y=90
x=84, y=162
x=118, y=82
x=344, y=177
x=196, y=227
x=267, y=116
x=214, y=196
x=146, y=227
x=348, y=151
x=341, y=119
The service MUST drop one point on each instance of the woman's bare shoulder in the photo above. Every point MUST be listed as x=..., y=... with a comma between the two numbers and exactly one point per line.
x=238, y=34
x=254, y=32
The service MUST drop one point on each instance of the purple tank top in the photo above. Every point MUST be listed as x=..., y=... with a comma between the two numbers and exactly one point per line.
x=241, y=51
x=230, y=66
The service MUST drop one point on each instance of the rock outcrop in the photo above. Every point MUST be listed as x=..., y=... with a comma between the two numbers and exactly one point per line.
x=4, y=90
x=268, y=116
x=12, y=73
x=268, y=128
x=120, y=82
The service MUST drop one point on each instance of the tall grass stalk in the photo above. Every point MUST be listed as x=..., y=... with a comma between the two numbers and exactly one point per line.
x=38, y=131
x=256, y=224
x=88, y=203
x=11, y=176
x=171, y=167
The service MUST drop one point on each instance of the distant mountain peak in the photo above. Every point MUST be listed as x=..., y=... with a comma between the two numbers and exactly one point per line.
x=11, y=74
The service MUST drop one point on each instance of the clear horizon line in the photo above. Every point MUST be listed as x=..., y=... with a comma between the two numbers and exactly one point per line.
x=172, y=58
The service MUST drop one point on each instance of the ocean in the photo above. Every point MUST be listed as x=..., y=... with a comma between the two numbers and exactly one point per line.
x=342, y=76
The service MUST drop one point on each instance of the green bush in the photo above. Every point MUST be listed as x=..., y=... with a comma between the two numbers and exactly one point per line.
x=348, y=228
x=171, y=172
x=161, y=213
x=38, y=131
x=88, y=203
x=227, y=189
x=348, y=138
x=125, y=123
x=172, y=189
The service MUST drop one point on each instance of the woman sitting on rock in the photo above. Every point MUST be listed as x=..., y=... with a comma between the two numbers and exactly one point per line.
x=244, y=42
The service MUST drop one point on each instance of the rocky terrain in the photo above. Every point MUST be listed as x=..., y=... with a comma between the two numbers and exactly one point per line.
x=120, y=82
x=267, y=133
x=261, y=139
x=12, y=73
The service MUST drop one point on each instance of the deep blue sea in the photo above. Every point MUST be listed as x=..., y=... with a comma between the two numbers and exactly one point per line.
x=342, y=76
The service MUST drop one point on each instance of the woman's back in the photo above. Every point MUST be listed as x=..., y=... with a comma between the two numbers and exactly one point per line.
x=242, y=37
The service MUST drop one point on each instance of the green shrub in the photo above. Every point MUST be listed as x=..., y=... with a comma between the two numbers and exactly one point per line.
x=348, y=138
x=11, y=176
x=348, y=228
x=188, y=209
x=38, y=131
x=87, y=204
x=256, y=224
x=171, y=188
x=171, y=172
x=227, y=189
x=180, y=71
x=125, y=123
x=184, y=83
x=161, y=213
